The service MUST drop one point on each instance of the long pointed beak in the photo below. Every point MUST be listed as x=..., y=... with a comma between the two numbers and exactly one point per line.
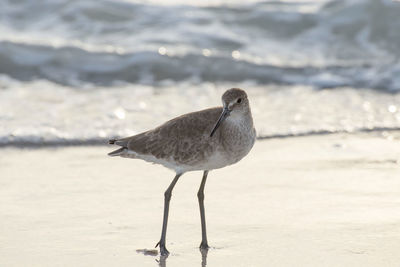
x=224, y=114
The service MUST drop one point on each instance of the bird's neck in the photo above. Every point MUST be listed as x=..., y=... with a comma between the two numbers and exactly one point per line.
x=242, y=122
x=238, y=135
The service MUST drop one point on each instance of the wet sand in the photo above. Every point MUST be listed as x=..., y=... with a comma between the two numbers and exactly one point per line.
x=309, y=201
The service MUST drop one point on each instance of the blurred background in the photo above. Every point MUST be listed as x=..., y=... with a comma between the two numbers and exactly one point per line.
x=80, y=71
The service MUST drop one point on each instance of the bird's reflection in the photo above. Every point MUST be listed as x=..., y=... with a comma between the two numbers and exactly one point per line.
x=204, y=252
x=162, y=262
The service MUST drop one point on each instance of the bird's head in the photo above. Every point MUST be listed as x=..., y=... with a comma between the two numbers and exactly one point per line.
x=235, y=101
x=235, y=104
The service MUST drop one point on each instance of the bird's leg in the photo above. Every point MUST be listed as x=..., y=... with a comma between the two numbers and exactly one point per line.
x=167, y=198
x=200, y=195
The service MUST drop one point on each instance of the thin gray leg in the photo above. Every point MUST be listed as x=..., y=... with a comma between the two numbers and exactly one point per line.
x=200, y=195
x=167, y=198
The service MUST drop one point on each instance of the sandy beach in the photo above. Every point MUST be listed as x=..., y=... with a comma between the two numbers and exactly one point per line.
x=329, y=200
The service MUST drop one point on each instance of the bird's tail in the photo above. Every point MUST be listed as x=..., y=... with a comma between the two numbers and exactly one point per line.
x=122, y=151
x=117, y=152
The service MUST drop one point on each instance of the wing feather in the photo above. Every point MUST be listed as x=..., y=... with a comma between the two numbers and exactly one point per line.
x=183, y=139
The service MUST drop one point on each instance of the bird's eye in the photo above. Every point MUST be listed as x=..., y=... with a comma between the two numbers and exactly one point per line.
x=239, y=101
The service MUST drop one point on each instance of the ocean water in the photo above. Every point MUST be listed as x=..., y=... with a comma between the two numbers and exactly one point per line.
x=79, y=72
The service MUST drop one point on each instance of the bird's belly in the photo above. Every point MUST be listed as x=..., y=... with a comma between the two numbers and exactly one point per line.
x=215, y=161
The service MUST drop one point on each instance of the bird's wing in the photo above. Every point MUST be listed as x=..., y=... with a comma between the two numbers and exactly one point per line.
x=181, y=139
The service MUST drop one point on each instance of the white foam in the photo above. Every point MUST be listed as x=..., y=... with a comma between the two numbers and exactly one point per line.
x=44, y=112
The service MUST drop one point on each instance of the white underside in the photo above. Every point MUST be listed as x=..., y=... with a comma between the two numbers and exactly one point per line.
x=215, y=161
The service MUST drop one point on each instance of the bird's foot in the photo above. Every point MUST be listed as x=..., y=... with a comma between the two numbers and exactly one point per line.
x=163, y=249
x=204, y=245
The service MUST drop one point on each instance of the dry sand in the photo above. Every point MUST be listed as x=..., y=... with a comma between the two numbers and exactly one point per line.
x=310, y=201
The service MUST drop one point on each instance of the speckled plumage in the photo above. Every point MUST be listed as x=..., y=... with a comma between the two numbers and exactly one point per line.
x=184, y=143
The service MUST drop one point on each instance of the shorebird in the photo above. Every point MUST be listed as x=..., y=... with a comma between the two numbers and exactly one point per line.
x=204, y=140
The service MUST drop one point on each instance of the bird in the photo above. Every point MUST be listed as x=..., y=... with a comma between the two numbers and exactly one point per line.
x=199, y=141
